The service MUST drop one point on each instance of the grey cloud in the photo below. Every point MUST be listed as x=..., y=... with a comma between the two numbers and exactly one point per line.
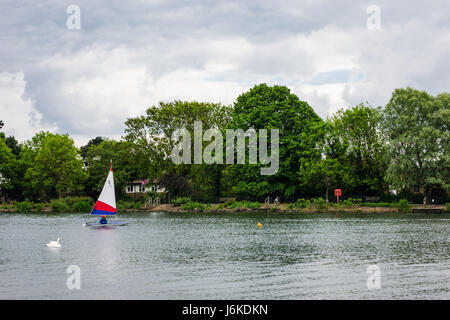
x=127, y=49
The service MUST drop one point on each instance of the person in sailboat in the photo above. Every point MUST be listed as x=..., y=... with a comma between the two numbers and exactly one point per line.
x=103, y=220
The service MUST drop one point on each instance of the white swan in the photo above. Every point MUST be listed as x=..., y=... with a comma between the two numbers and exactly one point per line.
x=55, y=244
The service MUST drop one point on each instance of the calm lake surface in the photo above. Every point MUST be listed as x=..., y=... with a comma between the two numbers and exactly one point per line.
x=225, y=256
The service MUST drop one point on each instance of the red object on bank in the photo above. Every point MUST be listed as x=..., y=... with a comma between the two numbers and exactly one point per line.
x=337, y=193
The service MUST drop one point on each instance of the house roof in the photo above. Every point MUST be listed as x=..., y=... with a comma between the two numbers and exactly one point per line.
x=139, y=181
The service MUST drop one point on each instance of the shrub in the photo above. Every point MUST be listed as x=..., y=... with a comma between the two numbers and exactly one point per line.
x=229, y=203
x=38, y=207
x=252, y=205
x=236, y=205
x=181, y=200
x=68, y=201
x=58, y=205
x=220, y=206
x=137, y=205
x=378, y=204
x=140, y=198
x=447, y=207
x=122, y=205
x=302, y=203
x=320, y=204
x=80, y=199
x=347, y=202
x=23, y=207
x=82, y=206
x=193, y=206
x=403, y=206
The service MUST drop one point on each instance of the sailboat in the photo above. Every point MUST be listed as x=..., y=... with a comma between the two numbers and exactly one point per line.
x=106, y=205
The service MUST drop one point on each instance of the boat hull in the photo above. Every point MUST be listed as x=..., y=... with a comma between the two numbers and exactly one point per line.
x=109, y=224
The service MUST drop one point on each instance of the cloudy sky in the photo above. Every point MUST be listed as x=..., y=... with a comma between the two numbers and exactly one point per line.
x=128, y=55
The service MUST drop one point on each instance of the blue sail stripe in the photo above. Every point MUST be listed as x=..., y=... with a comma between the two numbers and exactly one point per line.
x=102, y=213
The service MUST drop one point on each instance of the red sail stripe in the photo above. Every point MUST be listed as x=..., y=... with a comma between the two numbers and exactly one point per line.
x=104, y=207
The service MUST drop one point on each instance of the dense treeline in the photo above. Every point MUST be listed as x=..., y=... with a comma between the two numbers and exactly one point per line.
x=362, y=150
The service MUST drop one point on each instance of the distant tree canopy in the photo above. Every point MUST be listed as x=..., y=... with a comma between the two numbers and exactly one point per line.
x=56, y=166
x=265, y=107
x=151, y=136
x=417, y=127
x=362, y=150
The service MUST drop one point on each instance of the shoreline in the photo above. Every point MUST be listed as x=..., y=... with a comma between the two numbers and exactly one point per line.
x=281, y=208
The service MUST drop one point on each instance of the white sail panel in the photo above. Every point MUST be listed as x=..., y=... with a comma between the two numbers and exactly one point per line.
x=108, y=195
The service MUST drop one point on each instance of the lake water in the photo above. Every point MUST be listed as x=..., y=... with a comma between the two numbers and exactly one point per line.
x=225, y=256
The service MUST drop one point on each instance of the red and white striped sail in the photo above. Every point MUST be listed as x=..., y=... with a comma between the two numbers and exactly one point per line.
x=106, y=203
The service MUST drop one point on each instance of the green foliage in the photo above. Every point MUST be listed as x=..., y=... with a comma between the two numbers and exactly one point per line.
x=417, y=126
x=151, y=137
x=242, y=204
x=359, y=130
x=7, y=162
x=271, y=107
x=56, y=166
x=302, y=203
x=229, y=203
x=404, y=206
x=125, y=169
x=378, y=204
x=180, y=201
x=447, y=207
x=320, y=204
x=123, y=205
x=82, y=206
x=252, y=205
x=137, y=205
x=59, y=205
x=194, y=206
x=38, y=207
x=23, y=207
x=361, y=150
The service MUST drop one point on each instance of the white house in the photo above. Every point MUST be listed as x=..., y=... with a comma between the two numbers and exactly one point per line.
x=137, y=187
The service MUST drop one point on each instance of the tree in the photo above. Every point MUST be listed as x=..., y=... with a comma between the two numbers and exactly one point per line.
x=99, y=157
x=326, y=164
x=359, y=129
x=17, y=185
x=57, y=167
x=85, y=149
x=6, y=163
x=417, y=125
x=265, y=107
x=151, y=136
x=13, y=144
